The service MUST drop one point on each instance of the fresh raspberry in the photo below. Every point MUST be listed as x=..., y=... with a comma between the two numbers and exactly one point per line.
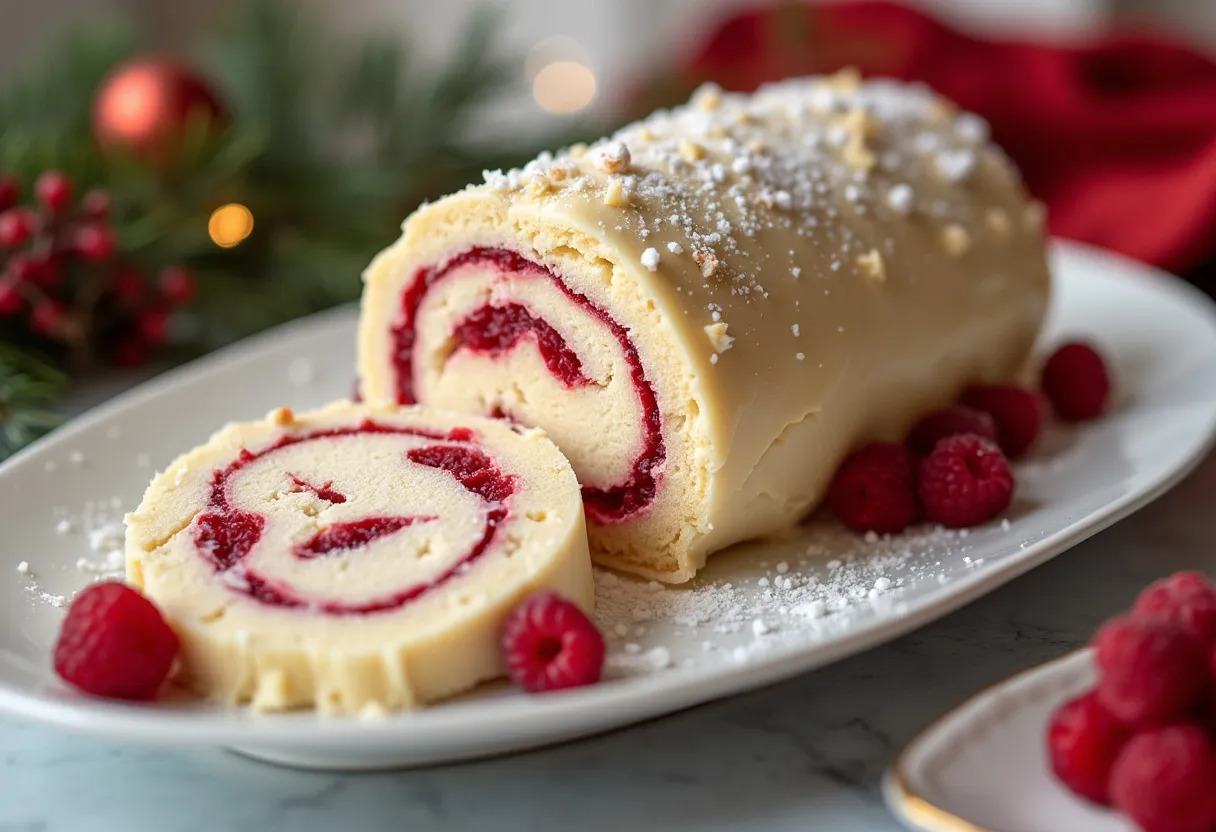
x=549, y=644
x=965, y=481
x=1076, y=382
x=16, y=226
x=949, y=422
x=54, y=190
x=114, y=642
x=875, y=489
x=1165, y=780
x=1018, y=414
x=1185, y=599
x=1083, y=740
x=1150, y=672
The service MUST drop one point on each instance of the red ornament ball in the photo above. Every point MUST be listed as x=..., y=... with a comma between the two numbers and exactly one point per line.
x=143, y=108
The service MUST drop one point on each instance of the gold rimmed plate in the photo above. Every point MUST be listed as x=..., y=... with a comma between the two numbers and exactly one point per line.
x=983, y=766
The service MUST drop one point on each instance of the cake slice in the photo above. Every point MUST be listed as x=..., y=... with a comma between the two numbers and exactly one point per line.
x=356, y=556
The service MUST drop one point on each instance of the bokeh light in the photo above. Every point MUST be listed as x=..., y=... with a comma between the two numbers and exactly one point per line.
x=564, y=87
x=230, y=224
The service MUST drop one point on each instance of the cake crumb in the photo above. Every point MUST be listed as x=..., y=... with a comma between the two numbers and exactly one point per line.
x=24, y=567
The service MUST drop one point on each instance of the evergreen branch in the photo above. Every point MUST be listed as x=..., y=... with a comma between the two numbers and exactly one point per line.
x=29, y=387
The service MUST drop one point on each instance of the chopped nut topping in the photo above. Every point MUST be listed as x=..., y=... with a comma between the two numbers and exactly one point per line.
x=1036, y=213
x=872, y=265
x=614, y=194
x=998, y=222
x=718, y=339
x=707, y=260
x=707, y=97
x=956, y=240
x=615, y=158
x=691, y=151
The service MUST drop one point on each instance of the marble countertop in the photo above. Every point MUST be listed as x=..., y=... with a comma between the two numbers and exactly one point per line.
x=805, y=754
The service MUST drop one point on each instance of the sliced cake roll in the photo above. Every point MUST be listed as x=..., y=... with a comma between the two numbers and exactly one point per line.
x=355, y=556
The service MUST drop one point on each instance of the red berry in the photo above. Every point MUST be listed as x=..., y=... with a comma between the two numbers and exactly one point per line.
x=1083, y=740
x=1165, y=780
x=25, y=269
x=875, y=489
x=11, y=299
x=54, y=190
x=1186, y=600
x=1018, y=414
x=1150, y=672
x=94, y=242
x=96, y=205
x=130, y=352
x=153, y=326
x=965, y=481
x=548, y=643
x=114, y=642
x=128, y=286
x=47, y=271
x=1076, y=382
x=47, y=316
x=176, y=286
x=16, y=227
x=949, y=422
x=10, y=191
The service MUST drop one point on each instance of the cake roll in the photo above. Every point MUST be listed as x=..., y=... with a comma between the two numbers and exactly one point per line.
x=355, y=557
x=709, y=309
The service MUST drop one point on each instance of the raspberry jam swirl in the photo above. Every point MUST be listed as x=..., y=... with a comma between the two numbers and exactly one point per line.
x=495, y=328
x=225, y=533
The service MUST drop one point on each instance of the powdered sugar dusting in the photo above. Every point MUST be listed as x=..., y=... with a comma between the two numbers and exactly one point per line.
x=99, y=533
x=820, y=583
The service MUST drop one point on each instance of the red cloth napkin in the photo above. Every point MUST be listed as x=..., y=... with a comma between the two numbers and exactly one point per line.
x=1117, y=136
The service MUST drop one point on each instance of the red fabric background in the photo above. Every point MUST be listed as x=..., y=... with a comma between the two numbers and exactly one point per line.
x=1117, y=136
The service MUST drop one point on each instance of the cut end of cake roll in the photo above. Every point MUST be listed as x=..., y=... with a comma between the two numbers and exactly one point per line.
x=356, y=557
x=709, y=309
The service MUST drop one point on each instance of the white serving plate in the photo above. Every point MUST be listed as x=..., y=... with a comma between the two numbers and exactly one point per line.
x=1159, y=333
x=983, y=766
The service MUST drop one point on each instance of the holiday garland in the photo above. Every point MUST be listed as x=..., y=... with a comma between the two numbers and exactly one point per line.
x=161, y=210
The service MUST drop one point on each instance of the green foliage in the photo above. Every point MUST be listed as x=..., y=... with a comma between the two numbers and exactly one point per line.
x=29, y=387
x=329, y=144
